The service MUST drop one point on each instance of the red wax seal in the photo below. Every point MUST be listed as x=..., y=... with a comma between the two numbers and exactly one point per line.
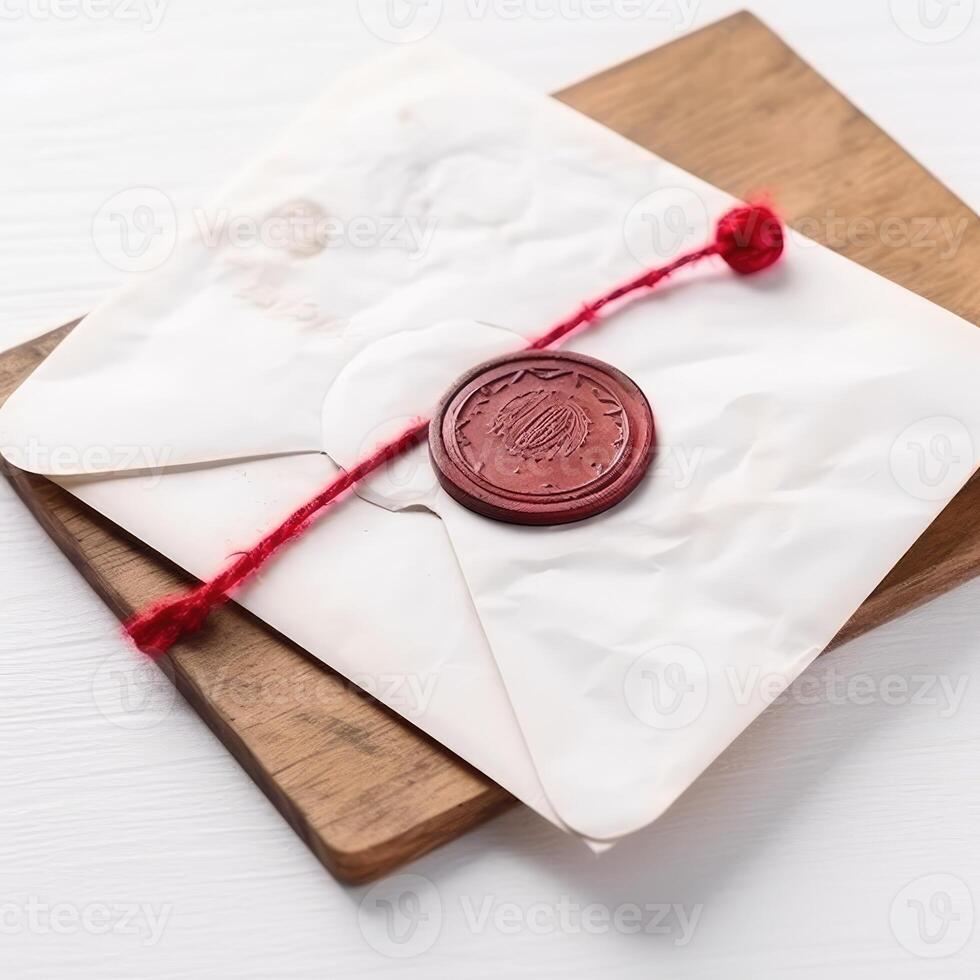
x=542, y=437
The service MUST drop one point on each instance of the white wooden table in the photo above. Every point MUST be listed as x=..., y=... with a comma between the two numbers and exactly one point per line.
x=839, y=837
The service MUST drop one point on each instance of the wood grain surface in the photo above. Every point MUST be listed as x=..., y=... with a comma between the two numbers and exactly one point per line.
x=360, y=786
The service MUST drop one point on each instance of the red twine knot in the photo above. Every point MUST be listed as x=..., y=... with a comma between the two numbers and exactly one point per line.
x=156, y=629
x=750, y=238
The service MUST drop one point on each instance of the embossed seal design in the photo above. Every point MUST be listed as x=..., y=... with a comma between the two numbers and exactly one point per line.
x=542, y=437
x=542, y=424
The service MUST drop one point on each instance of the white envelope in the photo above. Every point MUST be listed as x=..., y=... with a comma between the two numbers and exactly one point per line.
x=813, y=421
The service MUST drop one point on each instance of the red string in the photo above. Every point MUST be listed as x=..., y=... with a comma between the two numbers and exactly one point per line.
x=748, y=238
x=156, y=630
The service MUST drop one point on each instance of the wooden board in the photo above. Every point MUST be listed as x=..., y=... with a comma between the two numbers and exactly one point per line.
x=730, y=103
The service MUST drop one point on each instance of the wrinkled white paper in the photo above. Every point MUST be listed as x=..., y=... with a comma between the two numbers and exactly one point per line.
x=813, y=421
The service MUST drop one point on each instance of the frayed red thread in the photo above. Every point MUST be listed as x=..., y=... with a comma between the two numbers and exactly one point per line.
x=156, y=629
x=748, y=238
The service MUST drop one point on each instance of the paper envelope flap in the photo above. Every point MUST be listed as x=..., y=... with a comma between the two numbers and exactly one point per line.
x=389, y=385
x=191, y=371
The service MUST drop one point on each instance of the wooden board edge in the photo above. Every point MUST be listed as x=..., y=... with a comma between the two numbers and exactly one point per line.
x=351, y=866
x=348, y=865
